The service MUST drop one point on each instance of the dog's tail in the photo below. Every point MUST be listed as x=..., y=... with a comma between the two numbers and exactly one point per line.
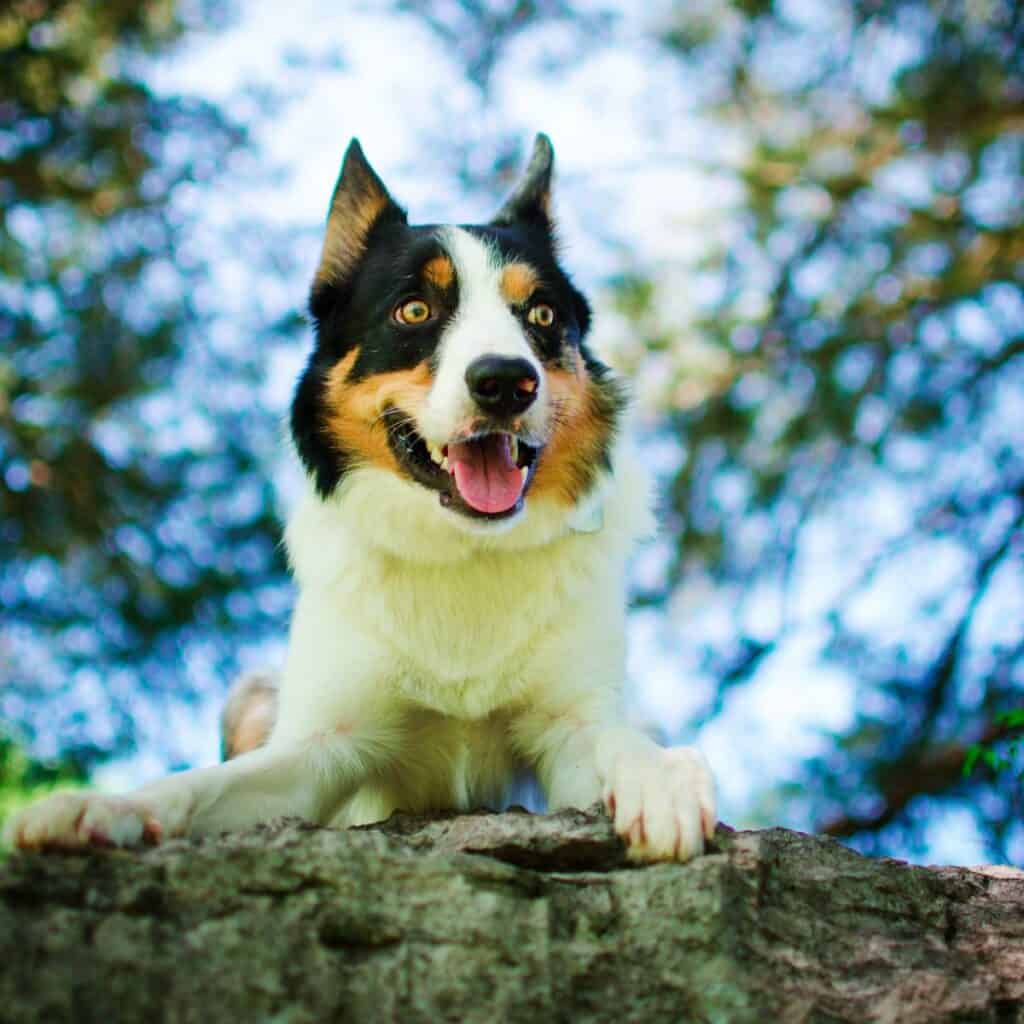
x=249, y=714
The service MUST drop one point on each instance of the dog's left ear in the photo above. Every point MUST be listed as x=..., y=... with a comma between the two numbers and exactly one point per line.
x=359, y=202
x=530, y=203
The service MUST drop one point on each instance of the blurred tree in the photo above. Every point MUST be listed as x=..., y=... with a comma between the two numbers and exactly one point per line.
x=479, y=31
x=872, y=312
x=845, y=394
x=848, y=397
x=135, y=515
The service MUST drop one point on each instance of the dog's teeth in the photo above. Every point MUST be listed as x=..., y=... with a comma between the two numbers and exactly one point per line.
x=444, y=464
x=435, y=454
x=525, y=472
x=514, y=448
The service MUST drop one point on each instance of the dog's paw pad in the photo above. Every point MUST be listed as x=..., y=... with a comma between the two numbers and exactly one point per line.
x=662, y=804
x=73, y=821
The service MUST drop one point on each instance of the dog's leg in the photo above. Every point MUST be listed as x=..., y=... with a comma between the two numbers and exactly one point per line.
x=308, y=780
x=336, y=723
x=662, y=800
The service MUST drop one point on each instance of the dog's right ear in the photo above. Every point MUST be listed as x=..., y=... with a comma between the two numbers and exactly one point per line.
x=360, y=201
x=530, y=203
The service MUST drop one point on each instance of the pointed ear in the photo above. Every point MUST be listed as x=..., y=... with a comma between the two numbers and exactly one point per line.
x=530, y=203
x=360, y=200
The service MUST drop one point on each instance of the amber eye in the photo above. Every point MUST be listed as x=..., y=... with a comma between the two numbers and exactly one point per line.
x=415, y=311
x=542, y=315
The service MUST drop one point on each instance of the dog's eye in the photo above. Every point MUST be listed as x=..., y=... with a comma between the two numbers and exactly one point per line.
x=415, y=311
x=542, y=315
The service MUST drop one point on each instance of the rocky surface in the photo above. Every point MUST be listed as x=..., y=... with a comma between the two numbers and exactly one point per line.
x=503, y=917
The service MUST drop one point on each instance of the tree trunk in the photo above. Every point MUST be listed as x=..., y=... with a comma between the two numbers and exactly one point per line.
x=510, y=917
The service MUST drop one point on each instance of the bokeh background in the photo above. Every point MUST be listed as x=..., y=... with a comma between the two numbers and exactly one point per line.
x=801, y=224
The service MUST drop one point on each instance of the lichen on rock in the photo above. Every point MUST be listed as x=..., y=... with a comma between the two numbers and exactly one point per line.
x=503, y=917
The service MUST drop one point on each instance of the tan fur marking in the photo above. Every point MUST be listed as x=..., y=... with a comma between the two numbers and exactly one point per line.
x=248, y=715
x=354, y=409
x=439, y=272
x=348, y=224
x=518, y=283
x=566, y=464
x=253, y=729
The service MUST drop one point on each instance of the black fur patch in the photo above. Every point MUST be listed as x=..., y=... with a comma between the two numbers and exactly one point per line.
x=321, y=458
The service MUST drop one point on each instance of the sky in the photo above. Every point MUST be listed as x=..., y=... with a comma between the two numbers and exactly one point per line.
x=634, y=188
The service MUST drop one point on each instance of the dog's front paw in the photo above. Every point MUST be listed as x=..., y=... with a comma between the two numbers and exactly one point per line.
x=662, y=803
x=74, y=821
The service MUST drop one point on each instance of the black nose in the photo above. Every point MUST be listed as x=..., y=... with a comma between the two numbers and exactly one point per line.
x=501, y=385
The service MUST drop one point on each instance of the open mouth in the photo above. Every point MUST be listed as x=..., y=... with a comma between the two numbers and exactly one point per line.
x=484, y=476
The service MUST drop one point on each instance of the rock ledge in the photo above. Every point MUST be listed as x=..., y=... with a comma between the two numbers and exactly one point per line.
x=503, y=917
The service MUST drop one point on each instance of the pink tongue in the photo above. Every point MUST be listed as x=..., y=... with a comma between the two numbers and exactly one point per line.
x=485, y=473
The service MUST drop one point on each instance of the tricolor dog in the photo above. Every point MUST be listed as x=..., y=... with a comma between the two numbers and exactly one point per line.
x=460, y=555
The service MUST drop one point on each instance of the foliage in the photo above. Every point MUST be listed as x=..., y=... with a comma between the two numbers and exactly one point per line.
x=999, y=760
x=872, y=310
x=24, y=779
x=478, y=31
x=843, y=392
x=127, y=548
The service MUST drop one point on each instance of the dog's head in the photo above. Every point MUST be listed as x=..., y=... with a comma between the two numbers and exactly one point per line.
x=452, y=358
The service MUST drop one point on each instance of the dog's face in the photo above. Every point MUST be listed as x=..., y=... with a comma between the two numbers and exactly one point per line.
x=452, y=357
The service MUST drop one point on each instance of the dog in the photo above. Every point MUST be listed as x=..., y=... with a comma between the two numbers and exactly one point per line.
x=460, y=553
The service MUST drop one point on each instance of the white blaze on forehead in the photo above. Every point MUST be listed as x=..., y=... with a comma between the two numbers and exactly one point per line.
x=483, y=326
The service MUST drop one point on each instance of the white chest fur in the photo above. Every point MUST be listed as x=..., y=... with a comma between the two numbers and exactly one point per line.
x=458, y=622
